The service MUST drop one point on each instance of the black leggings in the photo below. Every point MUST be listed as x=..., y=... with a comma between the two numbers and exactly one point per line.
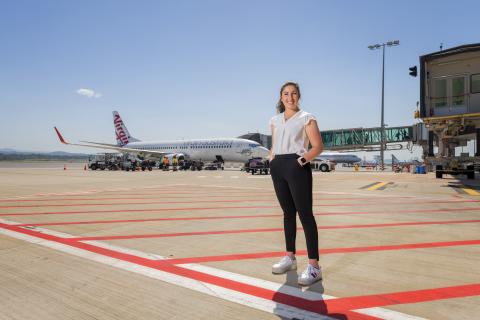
x=293, y=186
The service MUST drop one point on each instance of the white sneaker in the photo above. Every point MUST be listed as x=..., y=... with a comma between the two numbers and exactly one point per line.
x=309, y=276
x=284, y=265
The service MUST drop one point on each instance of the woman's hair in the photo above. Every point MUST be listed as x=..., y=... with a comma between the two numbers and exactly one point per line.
x=280, y=106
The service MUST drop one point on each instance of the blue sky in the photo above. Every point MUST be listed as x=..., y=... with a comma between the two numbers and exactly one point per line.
x=201, y=69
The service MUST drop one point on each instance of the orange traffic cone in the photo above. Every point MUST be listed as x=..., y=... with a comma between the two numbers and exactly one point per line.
x=64, y=167
x=85, y=168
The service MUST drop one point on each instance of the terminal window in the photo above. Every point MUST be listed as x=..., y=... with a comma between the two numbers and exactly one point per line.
x=458, y=91
x=440, y=97
x=475, y=83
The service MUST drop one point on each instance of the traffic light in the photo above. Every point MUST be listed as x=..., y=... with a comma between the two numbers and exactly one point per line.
x=413, y=71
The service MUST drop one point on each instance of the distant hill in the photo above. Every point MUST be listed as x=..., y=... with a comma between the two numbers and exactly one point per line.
x=13, y=154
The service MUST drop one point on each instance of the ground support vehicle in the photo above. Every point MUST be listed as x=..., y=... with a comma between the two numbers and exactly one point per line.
x=102, y=161
x=215, y=165
x=257, y=165
x=147, y=165
x=191, y=165
x=96, y=161
x=454, y=166
x=449, y=109
x=323, y=165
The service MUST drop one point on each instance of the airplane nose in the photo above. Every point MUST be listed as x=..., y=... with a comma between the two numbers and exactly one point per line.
x=261, y=152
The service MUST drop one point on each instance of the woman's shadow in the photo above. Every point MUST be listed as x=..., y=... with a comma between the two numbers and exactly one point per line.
x=296, y=302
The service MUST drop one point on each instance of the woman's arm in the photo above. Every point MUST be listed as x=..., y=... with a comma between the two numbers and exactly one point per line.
x=270, y=153
x=313, y=134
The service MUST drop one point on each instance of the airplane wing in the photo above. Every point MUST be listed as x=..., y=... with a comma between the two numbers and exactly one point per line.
x=99, y=145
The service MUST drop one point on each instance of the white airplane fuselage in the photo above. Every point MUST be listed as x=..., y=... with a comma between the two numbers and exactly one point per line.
x=233, y=149
x=222, y=149
x=340, y=158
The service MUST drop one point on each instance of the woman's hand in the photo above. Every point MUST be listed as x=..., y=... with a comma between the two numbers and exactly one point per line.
x=302, y=161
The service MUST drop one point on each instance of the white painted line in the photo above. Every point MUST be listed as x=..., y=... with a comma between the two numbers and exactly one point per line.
x=49, y=232
x=213, y=290
x=132, y=252
x=265, y=284
x=388, y=314
x=11, y=223
x=206, y=288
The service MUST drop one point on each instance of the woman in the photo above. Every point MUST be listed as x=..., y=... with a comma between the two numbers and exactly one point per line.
x=292, y=130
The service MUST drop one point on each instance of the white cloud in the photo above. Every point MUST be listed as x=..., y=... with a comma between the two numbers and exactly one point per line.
x=88, y=93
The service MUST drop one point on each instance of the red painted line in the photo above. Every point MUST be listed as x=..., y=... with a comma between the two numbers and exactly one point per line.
x=164, y=265
x=235, y=207
x=381, y=300
x=338, y=308
x=201, y=233
x=226, y=201
x=260, y=255
x=398, y=211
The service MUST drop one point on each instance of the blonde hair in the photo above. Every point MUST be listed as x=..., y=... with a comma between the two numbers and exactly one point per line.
x=280, y=106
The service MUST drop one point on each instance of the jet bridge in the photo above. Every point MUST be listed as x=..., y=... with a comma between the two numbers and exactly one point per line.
x=355, y=139
x=366, y=139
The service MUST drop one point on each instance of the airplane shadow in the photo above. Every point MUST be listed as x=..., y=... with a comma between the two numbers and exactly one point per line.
x=281, y=297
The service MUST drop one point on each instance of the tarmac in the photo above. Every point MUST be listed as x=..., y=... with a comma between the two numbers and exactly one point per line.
x=78, y=244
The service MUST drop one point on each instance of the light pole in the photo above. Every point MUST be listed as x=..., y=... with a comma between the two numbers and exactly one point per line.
x=382, y=124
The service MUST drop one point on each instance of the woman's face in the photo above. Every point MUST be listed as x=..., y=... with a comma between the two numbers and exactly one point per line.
x=290, y=98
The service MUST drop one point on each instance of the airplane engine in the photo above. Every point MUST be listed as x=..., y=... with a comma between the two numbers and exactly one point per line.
x=180, y=157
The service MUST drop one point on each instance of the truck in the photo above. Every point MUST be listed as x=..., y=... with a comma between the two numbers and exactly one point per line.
x=191, y=165
x=257, y=165
x=449, y=109
x=322, y=165
x=102, y=161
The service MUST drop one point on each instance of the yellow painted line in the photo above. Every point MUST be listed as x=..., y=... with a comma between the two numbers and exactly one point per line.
x=471, y=192
x=376, y=186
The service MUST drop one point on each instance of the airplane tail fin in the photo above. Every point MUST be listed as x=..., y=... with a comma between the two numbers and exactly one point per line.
x=62, y=140
x=121, y=132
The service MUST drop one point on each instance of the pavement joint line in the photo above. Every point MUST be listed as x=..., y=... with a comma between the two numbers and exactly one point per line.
x=320, y=192
x=159, y=210
x=260, y=255
x=150, y=220
x=250, y=188
x=231, y=201
x=455, y=199
x=267, y=196
x=117, y=261
x=263, y=230
x=80, y=192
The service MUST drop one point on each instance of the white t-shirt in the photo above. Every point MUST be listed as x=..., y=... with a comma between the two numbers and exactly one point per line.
x=290, y=136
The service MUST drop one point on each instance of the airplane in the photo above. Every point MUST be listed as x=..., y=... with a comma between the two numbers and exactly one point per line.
x=340, y=158
x=221, y=150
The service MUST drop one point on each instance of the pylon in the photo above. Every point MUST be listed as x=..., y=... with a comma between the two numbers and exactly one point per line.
x=64, y=167
x=85, y=168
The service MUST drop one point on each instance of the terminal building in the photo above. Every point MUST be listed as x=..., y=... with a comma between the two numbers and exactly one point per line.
x=263, y=139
